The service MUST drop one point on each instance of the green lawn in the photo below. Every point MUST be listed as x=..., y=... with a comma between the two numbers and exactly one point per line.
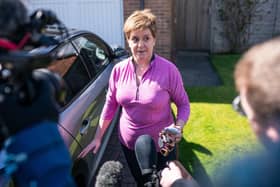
x=215, y=133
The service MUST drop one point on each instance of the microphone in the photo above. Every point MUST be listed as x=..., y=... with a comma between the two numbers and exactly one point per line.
x=41, y=17
x=110, y=174
x=146, y=154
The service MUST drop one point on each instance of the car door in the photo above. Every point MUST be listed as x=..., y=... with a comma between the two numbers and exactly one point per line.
x=96, y=60
x=85, y=66
x=68, y=64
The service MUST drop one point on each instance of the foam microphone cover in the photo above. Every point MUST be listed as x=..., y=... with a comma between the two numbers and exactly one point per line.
x=146, y=154
x=109, y=175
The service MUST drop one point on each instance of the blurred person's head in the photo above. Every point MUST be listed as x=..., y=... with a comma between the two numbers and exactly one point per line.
x=13, y=15
x=140, y=31
x=257, y=79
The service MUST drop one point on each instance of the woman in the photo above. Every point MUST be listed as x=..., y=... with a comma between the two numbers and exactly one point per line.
x=144, y=85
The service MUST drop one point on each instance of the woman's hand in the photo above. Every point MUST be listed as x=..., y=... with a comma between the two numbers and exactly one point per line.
x=93, y=146
x=176, y=137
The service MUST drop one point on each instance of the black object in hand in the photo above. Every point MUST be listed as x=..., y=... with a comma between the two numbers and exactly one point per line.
x=146, y=155
x=165, y=141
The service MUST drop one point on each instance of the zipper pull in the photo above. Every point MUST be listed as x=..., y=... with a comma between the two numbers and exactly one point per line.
x=137, y=93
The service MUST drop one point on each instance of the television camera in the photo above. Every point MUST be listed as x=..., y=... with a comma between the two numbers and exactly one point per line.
x=19, y=65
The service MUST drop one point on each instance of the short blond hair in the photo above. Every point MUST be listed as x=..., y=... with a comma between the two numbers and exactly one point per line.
x=258, y=71
x=140, y=19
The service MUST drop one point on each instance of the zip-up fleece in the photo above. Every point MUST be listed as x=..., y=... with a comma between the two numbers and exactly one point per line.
x=146, y=107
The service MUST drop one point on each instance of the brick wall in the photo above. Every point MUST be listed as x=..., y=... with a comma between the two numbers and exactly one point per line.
x=163, y=10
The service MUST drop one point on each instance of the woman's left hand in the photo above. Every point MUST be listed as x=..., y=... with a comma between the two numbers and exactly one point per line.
x=176, y=137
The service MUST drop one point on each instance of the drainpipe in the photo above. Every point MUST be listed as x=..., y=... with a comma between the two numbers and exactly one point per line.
x=142, y=4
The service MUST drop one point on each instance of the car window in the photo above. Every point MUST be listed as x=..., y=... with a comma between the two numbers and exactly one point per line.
x=69, y=65
x=92, y=53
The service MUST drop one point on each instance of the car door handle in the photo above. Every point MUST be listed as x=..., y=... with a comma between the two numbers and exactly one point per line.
x=85, y=126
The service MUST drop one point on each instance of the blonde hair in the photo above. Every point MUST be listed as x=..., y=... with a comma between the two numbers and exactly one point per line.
x=140, y=19
x=259, y=72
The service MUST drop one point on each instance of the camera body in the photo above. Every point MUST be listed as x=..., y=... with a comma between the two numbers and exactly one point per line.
x=19, y=74
x=166, y=141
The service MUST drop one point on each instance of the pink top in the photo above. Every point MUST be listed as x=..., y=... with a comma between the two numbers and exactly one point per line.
x=145, y=108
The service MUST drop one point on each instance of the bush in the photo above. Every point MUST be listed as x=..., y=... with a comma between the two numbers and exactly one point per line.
x=237, y=17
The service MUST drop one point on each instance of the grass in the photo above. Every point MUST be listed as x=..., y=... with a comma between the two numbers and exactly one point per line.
x=215, y=134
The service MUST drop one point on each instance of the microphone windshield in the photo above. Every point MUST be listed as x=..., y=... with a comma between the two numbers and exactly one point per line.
x=44, y=17
x=146, y=154
x=110, y=174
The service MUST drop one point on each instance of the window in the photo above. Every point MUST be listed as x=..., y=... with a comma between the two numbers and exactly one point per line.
x=92, y=54
x=80, y=65
x=69, y=65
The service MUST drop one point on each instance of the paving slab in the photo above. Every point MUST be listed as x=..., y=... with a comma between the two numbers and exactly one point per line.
x=196, y=69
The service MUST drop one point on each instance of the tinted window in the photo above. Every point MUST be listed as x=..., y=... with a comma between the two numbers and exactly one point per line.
x=92, y=53
x=69, y=65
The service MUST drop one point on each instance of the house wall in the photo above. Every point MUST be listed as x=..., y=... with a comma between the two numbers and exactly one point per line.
x=265, y=24
x=163, y=11
x=103, y=17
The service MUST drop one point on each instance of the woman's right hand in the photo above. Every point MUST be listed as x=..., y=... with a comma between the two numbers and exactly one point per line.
x=93, y=146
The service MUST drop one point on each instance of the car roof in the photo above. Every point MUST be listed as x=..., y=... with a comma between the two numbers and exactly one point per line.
x=61, y=36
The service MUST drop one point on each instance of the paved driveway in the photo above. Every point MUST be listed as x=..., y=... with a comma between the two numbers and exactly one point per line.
x=196, y=69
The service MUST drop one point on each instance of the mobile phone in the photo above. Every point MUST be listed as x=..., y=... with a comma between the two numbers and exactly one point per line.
x=172, y=130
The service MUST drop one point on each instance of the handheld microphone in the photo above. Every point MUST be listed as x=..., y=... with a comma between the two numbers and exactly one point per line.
x=146, y=156
x=110, y=174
